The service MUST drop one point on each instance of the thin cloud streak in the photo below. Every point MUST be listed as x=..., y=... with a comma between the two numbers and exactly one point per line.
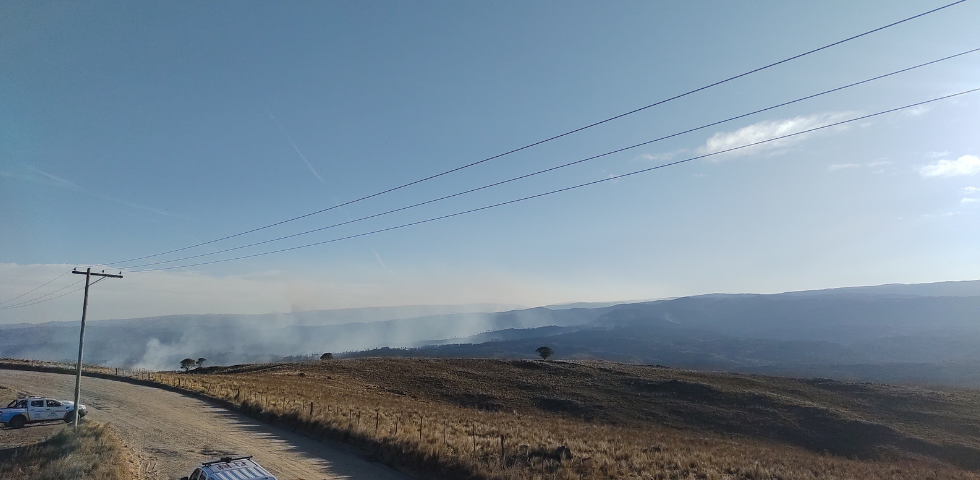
x=291, y=142
x=59, y=182
x=382, y=262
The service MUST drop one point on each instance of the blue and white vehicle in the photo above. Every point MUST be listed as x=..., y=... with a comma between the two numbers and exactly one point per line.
x=22, y=411
x=228, y=468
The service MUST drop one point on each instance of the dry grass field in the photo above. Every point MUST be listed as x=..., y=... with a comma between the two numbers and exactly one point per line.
x=6, y=395
x=92, y=453
x=500, y=419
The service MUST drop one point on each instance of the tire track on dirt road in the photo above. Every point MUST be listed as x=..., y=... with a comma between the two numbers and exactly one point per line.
x=172, y=434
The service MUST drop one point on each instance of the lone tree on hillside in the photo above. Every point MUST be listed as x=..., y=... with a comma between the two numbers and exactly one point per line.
x=187, y=363
x=200, y=362
x=545, y=352
x=326, y=356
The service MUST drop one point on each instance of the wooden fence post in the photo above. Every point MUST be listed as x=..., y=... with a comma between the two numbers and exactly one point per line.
x=311, y=410
x=377, y=421
x=421, y=418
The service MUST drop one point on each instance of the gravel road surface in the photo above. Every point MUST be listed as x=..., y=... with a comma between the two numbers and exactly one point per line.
x=171, y=434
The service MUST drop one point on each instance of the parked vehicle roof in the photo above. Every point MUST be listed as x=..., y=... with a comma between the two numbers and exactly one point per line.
x=243, y=468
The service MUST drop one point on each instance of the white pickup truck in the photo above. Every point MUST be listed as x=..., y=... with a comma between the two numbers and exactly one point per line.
x=22, y=411
x=229, y=468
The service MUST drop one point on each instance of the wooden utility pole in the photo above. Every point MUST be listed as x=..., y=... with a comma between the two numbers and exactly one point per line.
x=81, y=335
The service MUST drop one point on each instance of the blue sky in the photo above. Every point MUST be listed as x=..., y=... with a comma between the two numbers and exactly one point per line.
x=132, y=128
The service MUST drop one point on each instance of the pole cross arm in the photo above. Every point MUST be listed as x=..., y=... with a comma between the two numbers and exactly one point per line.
x=110, y=275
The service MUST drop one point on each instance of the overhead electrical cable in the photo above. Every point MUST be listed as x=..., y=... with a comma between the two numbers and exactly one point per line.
x=35, y=288
x=530, y=145
x=573, y=187
x=45, y=295
x=20, y=305
x=495, y=184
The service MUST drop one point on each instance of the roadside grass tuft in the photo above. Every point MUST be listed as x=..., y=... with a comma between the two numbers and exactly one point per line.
x=92, y=453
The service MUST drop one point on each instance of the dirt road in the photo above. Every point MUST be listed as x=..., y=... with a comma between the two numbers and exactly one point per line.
x=171, y=433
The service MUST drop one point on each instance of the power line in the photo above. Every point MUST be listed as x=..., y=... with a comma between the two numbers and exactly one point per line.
x=35, y=288
x=52, y=298
x=495, y=184
x=41, y=296
x=594, y=182
x=530, y=145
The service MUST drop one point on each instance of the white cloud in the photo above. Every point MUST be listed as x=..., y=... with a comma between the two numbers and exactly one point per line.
x=916, y=111
x=966, y=200
x=965, y=165
x=877, y=163
x=969, y=190
x=661, y=157
x=768, y=129
x=936, y=154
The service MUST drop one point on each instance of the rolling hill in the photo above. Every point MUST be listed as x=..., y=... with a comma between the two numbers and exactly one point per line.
x=931, y=332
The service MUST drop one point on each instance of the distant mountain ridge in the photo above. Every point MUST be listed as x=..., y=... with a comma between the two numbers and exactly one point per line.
x=812, y=331
x=857, y=333
x=962, y=288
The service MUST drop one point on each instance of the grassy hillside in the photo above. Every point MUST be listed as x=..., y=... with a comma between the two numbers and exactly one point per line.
x=616, y=420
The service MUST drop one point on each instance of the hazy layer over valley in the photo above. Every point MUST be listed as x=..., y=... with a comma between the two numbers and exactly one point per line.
x=927, y=333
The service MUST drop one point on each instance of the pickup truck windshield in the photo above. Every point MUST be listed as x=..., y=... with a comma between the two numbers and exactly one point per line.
x=17, y=404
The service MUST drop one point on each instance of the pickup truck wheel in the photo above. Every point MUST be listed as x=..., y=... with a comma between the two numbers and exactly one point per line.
x=70, y=417
x=17, y=422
